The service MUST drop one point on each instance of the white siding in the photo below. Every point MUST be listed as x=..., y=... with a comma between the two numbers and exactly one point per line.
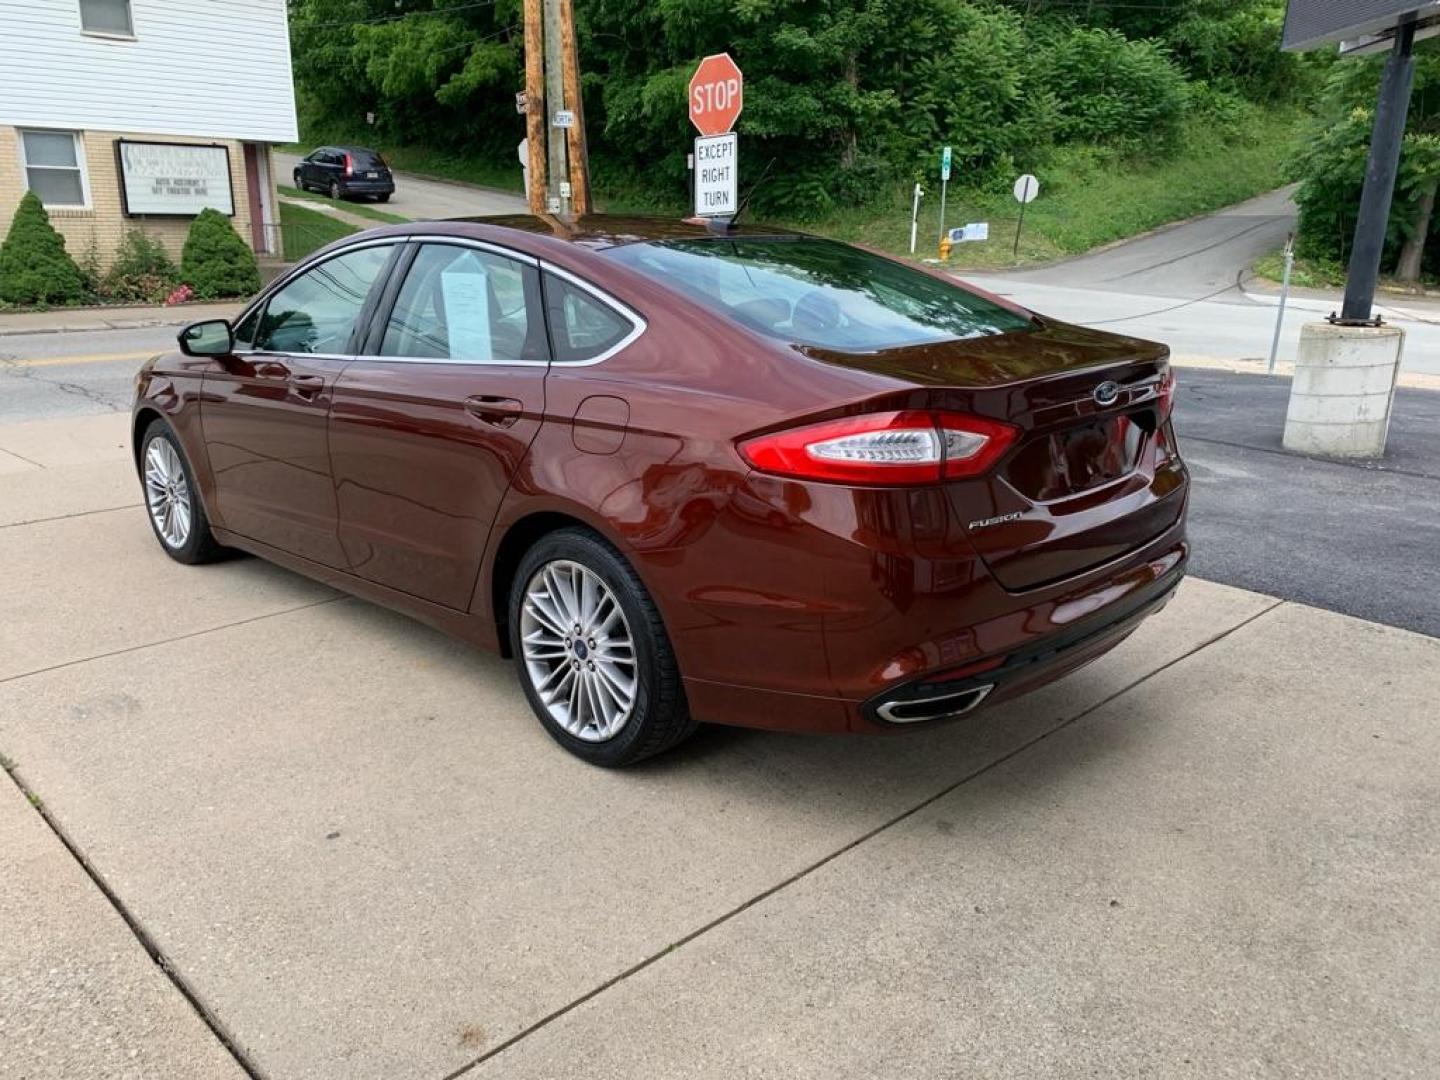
x=211, y=68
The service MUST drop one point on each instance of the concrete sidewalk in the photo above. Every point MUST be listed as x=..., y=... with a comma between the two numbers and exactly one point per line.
x=130, y=317
x=1210, y=853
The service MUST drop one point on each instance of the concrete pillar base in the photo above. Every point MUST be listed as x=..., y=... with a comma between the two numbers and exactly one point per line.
x=1343, y=388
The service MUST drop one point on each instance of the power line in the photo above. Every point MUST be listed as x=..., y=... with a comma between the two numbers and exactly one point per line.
x=398, y=15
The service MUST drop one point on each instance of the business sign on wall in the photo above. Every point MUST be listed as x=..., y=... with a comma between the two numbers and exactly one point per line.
x=174, y=179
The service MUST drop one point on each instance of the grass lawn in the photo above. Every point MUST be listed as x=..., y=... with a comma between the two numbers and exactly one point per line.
x=303, y=231
x=1086, y=199
x=364, y=210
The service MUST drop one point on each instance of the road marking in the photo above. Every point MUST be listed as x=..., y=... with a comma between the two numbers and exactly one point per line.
x=93, y=358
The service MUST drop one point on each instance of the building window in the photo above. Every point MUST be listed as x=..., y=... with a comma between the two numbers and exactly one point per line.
x=54, y=167
x=106, y=17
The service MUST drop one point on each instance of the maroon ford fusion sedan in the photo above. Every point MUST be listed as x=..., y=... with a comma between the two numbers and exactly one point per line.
x=682, y=473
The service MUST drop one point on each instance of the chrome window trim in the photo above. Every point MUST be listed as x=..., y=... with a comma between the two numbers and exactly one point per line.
x=482, y=245
x=304, y=268
x=637, y=322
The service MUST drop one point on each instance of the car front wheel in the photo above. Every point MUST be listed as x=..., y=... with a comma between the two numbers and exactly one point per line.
x=171, y=500
x=594, y=659
x=299, y=181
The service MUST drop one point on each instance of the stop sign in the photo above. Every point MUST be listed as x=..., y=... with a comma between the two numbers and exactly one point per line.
x=717, y=93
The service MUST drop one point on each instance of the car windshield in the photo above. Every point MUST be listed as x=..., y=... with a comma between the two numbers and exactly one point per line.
x=811, y=291
x=367, y=159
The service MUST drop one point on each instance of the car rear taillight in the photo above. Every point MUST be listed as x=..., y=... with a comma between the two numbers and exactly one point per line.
x=884, y=449
x=349, y=165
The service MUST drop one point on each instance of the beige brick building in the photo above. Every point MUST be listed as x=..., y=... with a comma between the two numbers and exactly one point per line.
x=127, y=114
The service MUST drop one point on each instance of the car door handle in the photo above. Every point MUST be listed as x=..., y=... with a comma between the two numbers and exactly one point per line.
x=308, y=386
x=500, y=411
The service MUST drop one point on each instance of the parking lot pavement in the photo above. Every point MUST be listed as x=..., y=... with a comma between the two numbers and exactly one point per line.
x=1230, y=871
x=79, y=996
x=351, y=839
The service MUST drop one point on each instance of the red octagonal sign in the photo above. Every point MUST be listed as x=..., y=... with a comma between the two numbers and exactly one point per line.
x=717, y=93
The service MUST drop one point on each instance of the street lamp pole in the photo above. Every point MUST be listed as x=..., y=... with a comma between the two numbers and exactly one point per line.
x=1380, y=170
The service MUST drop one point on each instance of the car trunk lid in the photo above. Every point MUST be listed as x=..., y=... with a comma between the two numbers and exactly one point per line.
x=1092, y=473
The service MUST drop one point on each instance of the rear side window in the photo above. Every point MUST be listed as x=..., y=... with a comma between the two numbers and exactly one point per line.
x=317, y=311
x=810, y=291
x=467, y=305
x=582, y=327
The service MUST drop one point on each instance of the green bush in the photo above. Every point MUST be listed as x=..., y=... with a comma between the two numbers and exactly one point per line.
x=1108, y=88
x=35, y=268
x=215, y=261
x=142, y=270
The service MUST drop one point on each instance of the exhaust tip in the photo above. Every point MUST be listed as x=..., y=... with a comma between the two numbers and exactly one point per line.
x=941, y=707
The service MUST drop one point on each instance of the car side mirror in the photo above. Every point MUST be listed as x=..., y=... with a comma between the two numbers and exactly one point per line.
x=213, y=337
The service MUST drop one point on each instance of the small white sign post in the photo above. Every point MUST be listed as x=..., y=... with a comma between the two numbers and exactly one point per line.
x=1026, y=188
x=716, y=175
x=915, y=215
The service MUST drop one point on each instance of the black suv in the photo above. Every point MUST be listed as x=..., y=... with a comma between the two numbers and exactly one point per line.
x=346, y=170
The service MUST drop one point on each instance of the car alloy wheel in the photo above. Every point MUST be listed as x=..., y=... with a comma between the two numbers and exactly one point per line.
x=167, y=494
x=578, y=650
x=335, y=189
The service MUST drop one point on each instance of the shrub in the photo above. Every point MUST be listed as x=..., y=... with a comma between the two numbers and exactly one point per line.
x=216, y=262
x=1110, y=89
x=35, y=268
x=143, y=269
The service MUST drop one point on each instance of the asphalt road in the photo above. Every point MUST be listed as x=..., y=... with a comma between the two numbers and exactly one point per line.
x=1189, y=286
x=425, y=199
x=1359, y=539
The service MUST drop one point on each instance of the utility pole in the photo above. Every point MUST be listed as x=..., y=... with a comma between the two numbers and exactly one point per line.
x=555, y=101
x=536, y=129
x=575, y=136
x=558, y=156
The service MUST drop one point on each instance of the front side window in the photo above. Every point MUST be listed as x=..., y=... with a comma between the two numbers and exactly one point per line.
x=54, y=168
x=317, y=311
x=106, y=17
x=467, y=305
x=581, y=326
x=810, y=291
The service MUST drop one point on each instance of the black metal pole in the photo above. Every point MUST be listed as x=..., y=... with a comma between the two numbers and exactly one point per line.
x=1380, y=169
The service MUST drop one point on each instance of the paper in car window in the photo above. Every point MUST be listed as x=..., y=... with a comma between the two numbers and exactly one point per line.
x=467, y=308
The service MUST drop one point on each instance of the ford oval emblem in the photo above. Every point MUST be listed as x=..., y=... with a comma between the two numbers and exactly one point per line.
x=1107, y=393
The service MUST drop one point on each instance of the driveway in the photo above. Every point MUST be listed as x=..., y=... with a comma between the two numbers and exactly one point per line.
x=421, y=199
x=320, y=840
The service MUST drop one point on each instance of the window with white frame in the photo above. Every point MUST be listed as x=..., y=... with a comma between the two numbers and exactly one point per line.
x=106, y=17
x=54, y=167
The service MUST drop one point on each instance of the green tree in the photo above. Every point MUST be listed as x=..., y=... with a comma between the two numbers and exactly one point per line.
x=1331, y=166
x=35, y=268
x=215, y=262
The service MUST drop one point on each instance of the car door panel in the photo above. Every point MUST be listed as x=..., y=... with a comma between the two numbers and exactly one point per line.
x=425, y=437
x=265, y=412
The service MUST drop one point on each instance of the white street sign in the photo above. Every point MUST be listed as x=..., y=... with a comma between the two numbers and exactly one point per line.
x=564, y=118
x=1026, y=188
x=976, y=230
x=716, y=175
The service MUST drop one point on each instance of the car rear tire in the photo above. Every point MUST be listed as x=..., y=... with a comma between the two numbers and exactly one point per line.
x=382, y=198
x=592, y=652
x=335, y=191
x=172, y=501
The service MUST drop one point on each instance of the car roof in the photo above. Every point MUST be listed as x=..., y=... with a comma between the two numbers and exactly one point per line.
x=600, y=231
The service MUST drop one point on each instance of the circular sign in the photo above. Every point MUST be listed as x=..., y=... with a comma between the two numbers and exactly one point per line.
x=717, y=94
x=1026, y=188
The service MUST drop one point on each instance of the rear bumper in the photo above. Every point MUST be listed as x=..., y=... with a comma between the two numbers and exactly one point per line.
x=356, y=186
x=856, y=603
